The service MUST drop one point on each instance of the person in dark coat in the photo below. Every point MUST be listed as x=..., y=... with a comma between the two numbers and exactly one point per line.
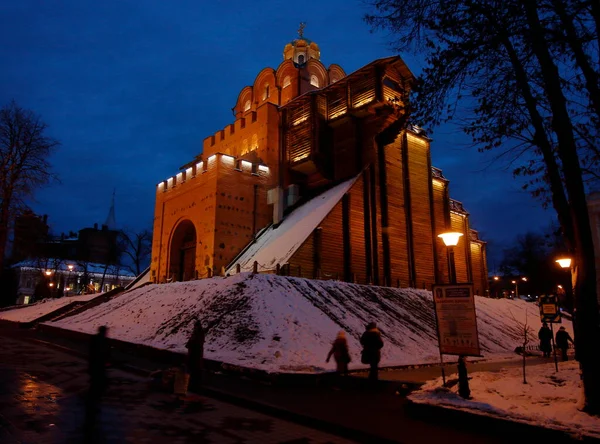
x=545, y=336
x=562, y=342
x=371, y=353
x=99, y=360
x=339, y=351
x=195, y=356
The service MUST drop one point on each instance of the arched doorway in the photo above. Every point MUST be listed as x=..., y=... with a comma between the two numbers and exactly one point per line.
x=182, y=257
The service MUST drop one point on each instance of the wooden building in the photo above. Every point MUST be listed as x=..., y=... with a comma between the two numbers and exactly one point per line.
x=321, y=175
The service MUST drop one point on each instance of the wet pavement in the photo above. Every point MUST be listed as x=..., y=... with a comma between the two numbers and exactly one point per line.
x=42, y=401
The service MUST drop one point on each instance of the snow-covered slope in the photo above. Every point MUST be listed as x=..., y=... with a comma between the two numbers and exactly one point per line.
x=281, y=323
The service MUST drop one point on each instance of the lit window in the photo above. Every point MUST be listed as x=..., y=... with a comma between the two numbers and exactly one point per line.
x=314, y=81
x=266, y=92
x=247, y=105
x=286, y=81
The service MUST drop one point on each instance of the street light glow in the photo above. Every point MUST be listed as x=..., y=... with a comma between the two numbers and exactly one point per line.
x=70, y=267
x=564, y=262
x=48, y=272
x=496, y=278
x=451, y=238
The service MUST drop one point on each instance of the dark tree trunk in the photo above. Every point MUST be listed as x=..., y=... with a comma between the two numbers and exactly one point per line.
x=559, y=200
x=586, y=303
x=591, y=76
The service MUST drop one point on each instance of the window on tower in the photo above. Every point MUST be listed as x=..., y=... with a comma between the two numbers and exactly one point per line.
x=301, y=59
x=314, y=81
x=286, y=81
x=247, y=106
x=266, y=92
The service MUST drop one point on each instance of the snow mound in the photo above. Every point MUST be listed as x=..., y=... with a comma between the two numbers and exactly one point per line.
x=549, y=399
x=31, y=312
x=286, y=324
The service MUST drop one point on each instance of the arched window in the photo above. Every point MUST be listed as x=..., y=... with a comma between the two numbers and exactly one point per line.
x=266, y=92
x=301, y=59
x=247, y=106
x=286, y=81
x=314, y=81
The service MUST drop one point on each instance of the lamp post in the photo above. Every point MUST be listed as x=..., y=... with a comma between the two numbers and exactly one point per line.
x=565, y=263
x=70, y=268
x=516, y=284
x=451, y=240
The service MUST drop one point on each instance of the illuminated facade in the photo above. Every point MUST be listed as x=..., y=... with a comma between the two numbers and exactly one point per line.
x=299, y=131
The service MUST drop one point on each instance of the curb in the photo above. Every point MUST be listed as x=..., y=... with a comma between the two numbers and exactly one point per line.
x=505, y=428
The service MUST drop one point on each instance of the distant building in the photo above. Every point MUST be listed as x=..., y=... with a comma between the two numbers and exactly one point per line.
x=321, y=175
x=64, y=264
x=50, y=278
x=30, y=232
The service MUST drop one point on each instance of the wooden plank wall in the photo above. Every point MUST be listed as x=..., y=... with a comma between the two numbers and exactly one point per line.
x=420, y=181
x=458, y=223
x=333, y=244
x=302, y=262
x=476, y=270
x=439, y=211
x=397, y=215
x=357, y=231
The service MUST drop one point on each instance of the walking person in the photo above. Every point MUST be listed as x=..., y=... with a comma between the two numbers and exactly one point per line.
x=562, y=342
x=371, y=353
x=195, y=356
x=99, y=360
x=545, y=336
x=339, y=351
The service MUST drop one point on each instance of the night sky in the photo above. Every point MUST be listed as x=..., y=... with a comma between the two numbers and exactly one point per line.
x=131, y=88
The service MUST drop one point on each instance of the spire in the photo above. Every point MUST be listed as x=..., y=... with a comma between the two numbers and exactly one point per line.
x=301, y=29
x=111, y=222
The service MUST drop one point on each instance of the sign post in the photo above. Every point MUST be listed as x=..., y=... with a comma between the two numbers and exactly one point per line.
x=549, y=312
x=454, y=306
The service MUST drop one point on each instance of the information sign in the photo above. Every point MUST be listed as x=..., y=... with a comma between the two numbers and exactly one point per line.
x=456, y=319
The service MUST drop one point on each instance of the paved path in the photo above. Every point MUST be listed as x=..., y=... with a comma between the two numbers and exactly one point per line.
x=422, y=374
x=42, y=394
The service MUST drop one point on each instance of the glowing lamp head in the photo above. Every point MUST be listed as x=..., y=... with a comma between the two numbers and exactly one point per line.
x=48, y=272
x=513, y=282
x=496, y=278
x=450, y=239
x=564, y=262
x=70, y=267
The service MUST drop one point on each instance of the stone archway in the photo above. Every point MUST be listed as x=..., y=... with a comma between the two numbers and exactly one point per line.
x=182, y=252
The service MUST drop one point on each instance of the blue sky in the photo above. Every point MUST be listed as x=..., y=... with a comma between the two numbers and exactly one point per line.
x=131, y=88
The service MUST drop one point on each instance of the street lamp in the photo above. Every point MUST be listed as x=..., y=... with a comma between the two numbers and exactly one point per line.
x=516, y=282
x=70, y=267
x=451, y=240
x=564, y=262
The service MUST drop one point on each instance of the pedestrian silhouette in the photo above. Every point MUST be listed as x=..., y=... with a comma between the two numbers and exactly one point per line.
x=339, y=351
x=99, y=360
x=562, y=342
x=545, y=336
x=195, y=356
x=371, y=353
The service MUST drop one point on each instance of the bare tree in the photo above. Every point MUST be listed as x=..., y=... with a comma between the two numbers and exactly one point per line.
x=525, y=75
x=24, y=151
x=137, y=248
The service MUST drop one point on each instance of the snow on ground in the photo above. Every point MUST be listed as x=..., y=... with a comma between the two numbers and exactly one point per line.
x=549, y=399
x=279, y=323
x=36, y=310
